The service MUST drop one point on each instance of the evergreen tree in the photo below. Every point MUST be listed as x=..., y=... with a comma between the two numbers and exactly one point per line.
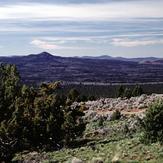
x=121, y=91
x=153, y=123
x=137, y=91
x=127, y=93
x=73, y=125
x=73, y=94
x=35, y=118
x=9, y=87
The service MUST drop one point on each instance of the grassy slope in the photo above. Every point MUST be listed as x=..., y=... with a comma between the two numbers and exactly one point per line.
x=127, y=150
x=125, y=147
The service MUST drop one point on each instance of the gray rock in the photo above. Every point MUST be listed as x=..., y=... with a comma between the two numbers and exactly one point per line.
x=97, y=160
x=121, y=104
x=76, y=160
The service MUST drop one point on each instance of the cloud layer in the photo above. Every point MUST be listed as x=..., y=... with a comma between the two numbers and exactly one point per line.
x=133, y=43
x=112, y=10
x=88, y=27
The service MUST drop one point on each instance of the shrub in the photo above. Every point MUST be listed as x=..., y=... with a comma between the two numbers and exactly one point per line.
x=116, y=115
x=73, y=94
x=153, y=123
x=101, y=122
x=91, y=98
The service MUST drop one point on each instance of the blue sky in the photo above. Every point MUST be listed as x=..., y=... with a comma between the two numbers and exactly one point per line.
x=128, y=28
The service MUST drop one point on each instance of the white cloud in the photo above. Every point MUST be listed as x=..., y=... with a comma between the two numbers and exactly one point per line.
x=71, y=39
x=126, y=40
x=44, y=45
x=128, y=9
x=133, y=43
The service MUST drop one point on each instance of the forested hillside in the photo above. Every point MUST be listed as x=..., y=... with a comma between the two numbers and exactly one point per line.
x=45, y=67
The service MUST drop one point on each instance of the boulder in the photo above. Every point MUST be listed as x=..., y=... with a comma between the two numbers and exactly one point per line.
x=97, y=160
x=76, y=160
x=115, y=159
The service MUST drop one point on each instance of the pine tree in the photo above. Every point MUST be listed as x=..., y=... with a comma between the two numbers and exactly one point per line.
x=73, y=125
x=35, y=118
x=153, y=123
x=121, y=91
x=127, y=93
x=73, y=94
x=9, y=86
x=137, y=91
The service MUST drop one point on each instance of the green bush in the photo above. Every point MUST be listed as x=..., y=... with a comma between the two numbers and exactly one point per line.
x=73, y=95
x=153, y=123
x=116, y=115
x=101, y=122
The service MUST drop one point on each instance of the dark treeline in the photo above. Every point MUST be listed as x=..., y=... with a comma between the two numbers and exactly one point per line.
x=98, y=91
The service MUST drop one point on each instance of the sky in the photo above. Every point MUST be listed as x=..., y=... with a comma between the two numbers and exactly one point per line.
x=127, y=28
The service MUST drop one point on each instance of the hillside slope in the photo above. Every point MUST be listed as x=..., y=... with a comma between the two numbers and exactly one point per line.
x=108, y=140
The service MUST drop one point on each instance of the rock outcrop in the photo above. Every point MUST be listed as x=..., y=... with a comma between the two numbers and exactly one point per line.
x=105, y=107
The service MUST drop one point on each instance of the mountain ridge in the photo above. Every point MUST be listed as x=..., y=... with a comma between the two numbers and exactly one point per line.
x=45, y=54
x=139, y=59
x=45, y=67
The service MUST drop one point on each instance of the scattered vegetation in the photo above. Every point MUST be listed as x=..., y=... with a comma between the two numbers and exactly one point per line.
x=114, y=146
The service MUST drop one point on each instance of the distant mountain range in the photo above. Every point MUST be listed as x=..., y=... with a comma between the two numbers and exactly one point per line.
x=141, y=60
x=44, y=67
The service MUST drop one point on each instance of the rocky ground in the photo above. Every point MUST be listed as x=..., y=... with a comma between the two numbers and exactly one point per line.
x=105, y=106
x=113, y=133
